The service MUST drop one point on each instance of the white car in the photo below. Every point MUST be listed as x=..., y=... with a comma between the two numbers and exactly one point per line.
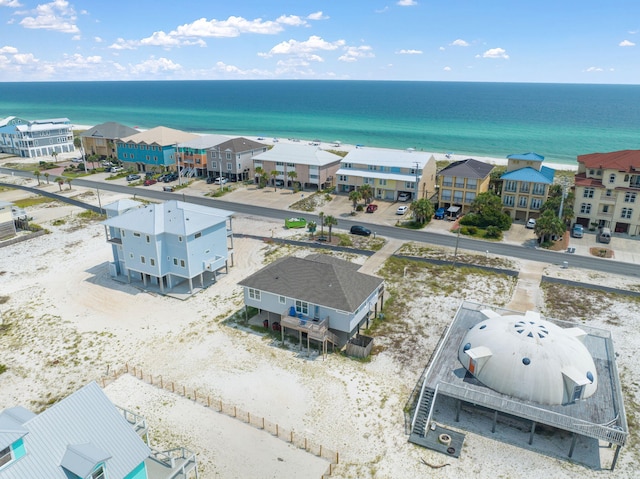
x=221, y=181
x=402, y=210
x=404, y=197
x=531, y=224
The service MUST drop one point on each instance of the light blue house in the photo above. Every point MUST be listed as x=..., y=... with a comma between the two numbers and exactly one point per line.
x=84, y=436
x=321, y=297
x=169, y=245
x=35, y=138
x=152, y=150
x=525, y=186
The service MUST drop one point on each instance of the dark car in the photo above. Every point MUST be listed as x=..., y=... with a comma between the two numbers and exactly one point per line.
x=360, y=230
x=170, y=177
x=210, y=180
x=439, y=214
x=371, y=208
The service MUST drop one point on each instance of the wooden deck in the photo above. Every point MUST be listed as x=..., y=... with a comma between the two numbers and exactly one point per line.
x=309, y=329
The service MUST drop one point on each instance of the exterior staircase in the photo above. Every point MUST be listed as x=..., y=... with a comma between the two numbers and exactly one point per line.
x=423, y=412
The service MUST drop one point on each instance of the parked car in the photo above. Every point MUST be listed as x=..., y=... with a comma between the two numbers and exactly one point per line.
x=295, y=223
x=168, y=188
x=210, y=179
x=404, y=197
x=577, y=231
x=604, y=236
x=371, y=208
x=402, y=210
x=439, y=214
x=133, y=177
x=278, y=182
x=531, y=224
x=170, y=177
x=116, y=169
x=221, y=181
x=149, y=182
x=360, y=230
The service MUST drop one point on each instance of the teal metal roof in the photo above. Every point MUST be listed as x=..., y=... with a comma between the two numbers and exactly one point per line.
x=530, y=175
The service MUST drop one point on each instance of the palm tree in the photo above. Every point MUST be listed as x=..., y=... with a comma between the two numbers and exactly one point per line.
x=549, y=225
x=69, y=182
x=60, y=182
x=259, y=174
x=422, y=210
x=55, y=156
x=293, y=175
x=366, y=192
x=355, y=196
x=37, y=173
x=273, y=174
x=46, y=175
x=321, y=215
x=330, y=221
x=311, y=226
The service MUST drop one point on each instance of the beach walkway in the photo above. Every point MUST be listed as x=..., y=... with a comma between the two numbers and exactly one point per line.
x=379, y=257
x=526, y=295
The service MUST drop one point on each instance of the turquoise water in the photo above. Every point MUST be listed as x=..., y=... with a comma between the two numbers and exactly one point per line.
x=558, y=121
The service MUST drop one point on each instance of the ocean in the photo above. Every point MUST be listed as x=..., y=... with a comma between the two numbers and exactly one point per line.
x=557, y=121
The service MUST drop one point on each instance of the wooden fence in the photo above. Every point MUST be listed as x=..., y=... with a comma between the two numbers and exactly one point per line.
x=272, y=428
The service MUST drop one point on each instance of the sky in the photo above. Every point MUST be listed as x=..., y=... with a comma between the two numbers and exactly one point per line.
x=550, y=41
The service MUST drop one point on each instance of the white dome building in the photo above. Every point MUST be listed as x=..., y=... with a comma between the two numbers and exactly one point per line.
x=529, y=358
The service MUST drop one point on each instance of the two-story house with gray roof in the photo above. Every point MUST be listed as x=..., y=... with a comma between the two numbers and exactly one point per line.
x=169, y=245
x=460, y=183
x=84, y=436
x=525, y=185
x=233, y=159
x=322, y=297
x=193, y=154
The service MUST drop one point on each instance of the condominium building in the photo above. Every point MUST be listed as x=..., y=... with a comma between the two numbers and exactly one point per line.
x=461, y=182
x=36, y=138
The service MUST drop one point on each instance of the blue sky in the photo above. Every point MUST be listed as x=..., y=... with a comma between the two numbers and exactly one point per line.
x=557, y=41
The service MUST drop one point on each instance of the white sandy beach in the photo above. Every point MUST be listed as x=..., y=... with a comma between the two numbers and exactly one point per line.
x=71, y=324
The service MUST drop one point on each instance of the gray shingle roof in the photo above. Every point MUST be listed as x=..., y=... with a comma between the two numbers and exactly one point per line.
x=240, y=145
x=85, y=417
x=318, y=279
x=110, y=130
x=468, y=168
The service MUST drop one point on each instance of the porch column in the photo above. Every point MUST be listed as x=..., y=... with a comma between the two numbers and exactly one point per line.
x=533, y=430
x=573, y=443
x=495, y=420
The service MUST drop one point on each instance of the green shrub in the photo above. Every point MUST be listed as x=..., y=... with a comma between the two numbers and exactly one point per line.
x=493, y=232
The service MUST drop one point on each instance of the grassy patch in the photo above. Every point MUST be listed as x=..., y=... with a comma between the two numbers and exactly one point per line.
x=33, y=201
x=571, y=301
x=90, y=215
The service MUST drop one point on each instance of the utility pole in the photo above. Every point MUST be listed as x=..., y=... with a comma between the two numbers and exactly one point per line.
x=416, y=186
x=564, y=193
x=178, y=165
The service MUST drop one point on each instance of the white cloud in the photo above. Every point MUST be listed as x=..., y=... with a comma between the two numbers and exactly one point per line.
x=409, y=52
x=155, y=65
x=353, y=54
x=229, y=28
x=594, y=69
x=236, y=71
x=56, y=15
x=291, y=20
x=122, y=44
x=459, y=43
x=10, y=3
x=162, y=39
x=79, y=61
x=25, y=58
x=495, y=53
x=8, y=49
x=97, y=39
x=317, y=16
x=626, y=43
x=407, y=3
x=447, y=69
x=304, y=49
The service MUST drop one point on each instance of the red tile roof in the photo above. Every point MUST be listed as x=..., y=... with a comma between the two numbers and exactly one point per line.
x=581, y=180
x=625, y=160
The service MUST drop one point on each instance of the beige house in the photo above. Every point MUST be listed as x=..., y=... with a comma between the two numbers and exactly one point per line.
x=607, y=190
x=525, y=186
x=314, y=168
x=460, y=183
x=101, y=139
x=389, y=173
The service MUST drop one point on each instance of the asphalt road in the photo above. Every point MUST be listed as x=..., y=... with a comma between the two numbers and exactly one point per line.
x=502, y=249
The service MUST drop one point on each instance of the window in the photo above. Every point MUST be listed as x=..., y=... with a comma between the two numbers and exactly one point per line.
x=302, y=307
x=457, y=197
x=214, y=165
x=254, y=294
x=175, y=261
x=472, y=183
x=180, y=239
x=585, y=208
x=229, y=166
x=508, y=200
x=137, y=235
x=522, y=201
x=282, y=300
x=446, y=195
x=148, y=239
x=343, y=178
x=152, y=261
x=588, y=193
x=98, y=473
x=5, y=456
x=182, y=264
x=383, y=182
x=609, y=193
x=130, y=255
x=605, y=208
x=612, y=178
x=469, y=197
x=142, y=260
x=197, y=235
x=459, y=182
x=536, y=203
x=348, y=165
x=538, y=189
x=447, y=181
x=629, y=197
x=373, y=168
x=511, y=186
x=626, y=213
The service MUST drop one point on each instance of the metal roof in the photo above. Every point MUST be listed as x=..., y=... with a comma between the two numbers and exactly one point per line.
x=526, y=156
x=85, y=417
x=333, y=283
x=173, y=217
x=203, y=142
x=298, y=154
x=388, y=157
x=160, y=135
x=375, y=174
x=529, y=174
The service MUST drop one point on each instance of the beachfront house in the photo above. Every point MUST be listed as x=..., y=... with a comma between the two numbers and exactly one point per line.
x=35, y=138
x=313, y=167
x=84, y=436
x=151, y=150
x=320, y=297
x=525, y=186
x=607, y=191
x=390, y=173
x=192, y=154
x=233, y=159
x=174, y=248
x=101, y=140
x=460, y=183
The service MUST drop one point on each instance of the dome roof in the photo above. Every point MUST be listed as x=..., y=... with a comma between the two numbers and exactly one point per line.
x=529, y=358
